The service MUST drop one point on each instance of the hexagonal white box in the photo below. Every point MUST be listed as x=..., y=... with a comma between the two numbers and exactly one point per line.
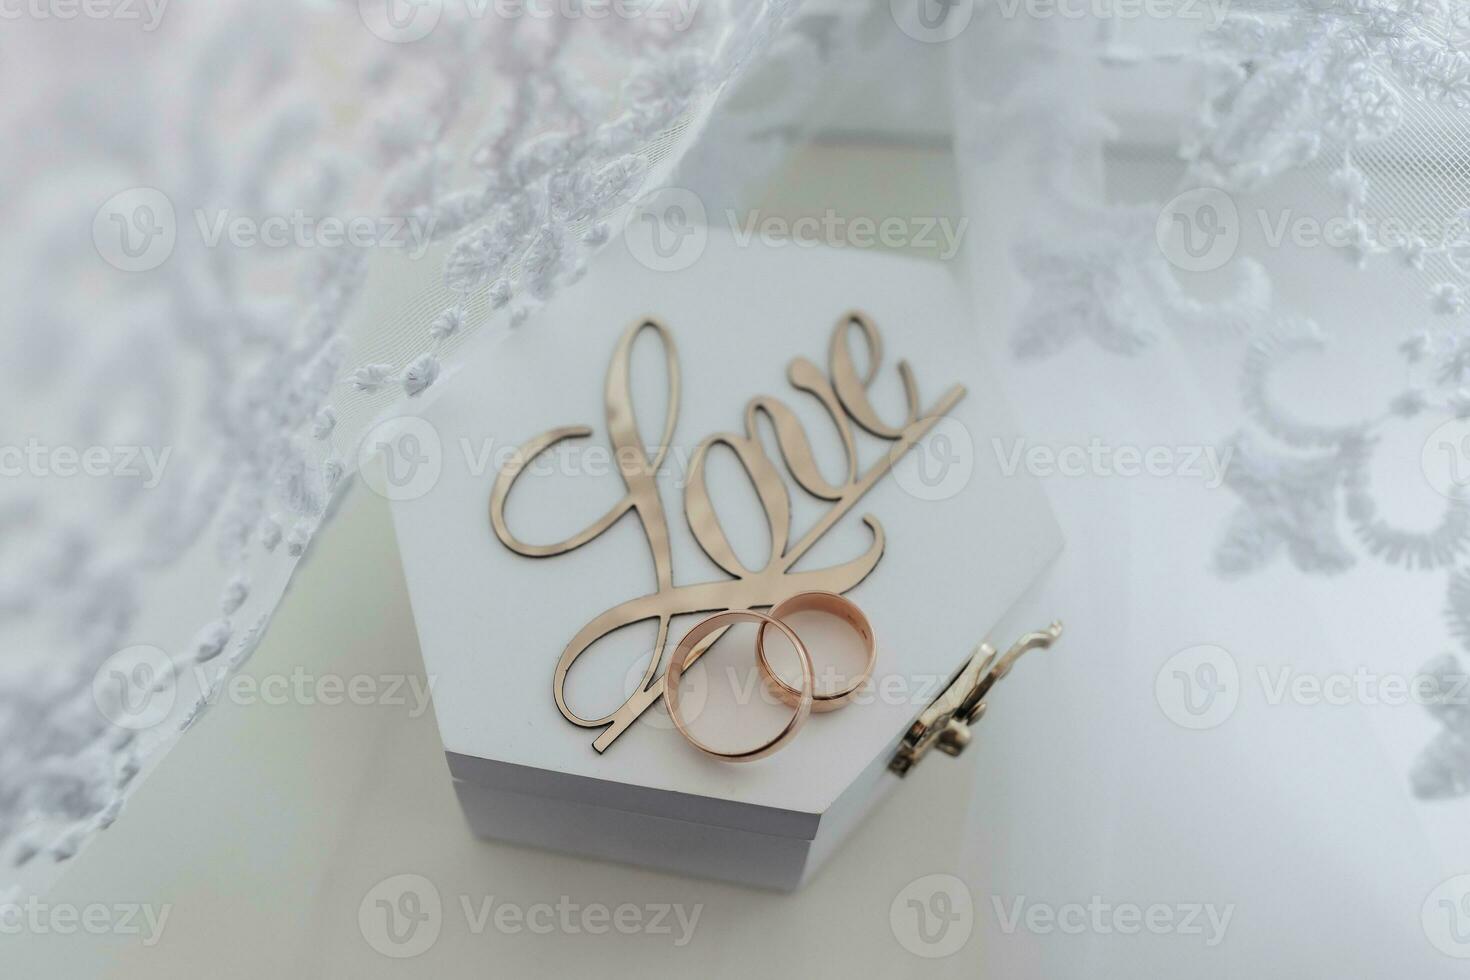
x=962, y=532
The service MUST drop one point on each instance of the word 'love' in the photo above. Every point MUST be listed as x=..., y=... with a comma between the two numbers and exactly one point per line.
x=843, y=393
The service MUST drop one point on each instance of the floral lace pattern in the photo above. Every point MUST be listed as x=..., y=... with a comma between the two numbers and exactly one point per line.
x=1344, y=89
x=251, y=176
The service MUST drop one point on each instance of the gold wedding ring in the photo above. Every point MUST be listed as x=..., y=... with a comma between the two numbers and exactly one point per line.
x=802, y=700
x=833, y=605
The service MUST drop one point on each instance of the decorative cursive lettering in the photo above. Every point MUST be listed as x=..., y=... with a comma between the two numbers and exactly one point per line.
x=845, y=399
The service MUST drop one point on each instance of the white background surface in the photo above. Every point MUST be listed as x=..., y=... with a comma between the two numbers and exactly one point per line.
x=266, y=828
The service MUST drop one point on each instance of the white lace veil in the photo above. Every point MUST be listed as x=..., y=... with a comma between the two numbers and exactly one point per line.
x=1134, y=185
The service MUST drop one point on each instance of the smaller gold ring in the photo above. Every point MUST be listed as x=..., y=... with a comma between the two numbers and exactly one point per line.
x=834, y=605
x=675, y=673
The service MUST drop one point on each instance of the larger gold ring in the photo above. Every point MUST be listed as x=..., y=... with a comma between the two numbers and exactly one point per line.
x=833, y=605
x=803, y=700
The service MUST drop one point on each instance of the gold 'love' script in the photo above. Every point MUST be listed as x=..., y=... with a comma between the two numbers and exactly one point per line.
x=844, y=396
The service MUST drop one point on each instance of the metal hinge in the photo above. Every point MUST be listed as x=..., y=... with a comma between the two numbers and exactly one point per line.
x=946, y=722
